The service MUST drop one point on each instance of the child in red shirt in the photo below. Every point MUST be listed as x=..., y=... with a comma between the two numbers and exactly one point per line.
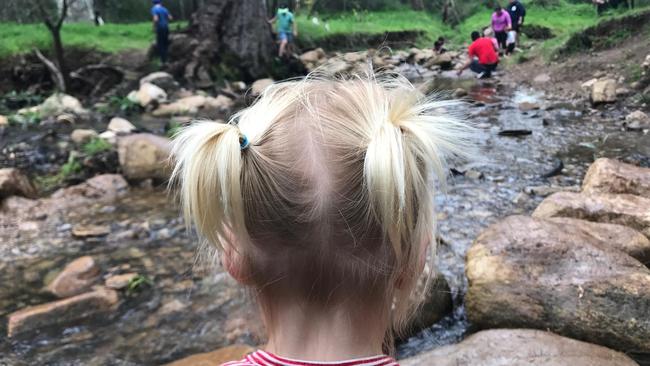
x=319, y=197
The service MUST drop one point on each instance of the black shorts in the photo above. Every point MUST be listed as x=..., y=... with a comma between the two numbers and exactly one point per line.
x=516, y=28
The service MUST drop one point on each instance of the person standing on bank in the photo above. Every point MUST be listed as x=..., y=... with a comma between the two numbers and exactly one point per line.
x=483, y=58
x=161, y=19
x=501, y=23
x=517, y=13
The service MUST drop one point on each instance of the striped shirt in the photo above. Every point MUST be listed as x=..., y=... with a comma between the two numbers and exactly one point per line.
x=261, y=358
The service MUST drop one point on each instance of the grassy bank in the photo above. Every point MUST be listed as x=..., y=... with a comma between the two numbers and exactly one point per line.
x=20, y=38
x=563, y=20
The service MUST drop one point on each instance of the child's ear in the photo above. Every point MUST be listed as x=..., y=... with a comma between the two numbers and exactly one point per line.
x=234, y=262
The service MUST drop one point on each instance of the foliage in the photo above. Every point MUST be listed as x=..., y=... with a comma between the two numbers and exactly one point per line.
x=96, y=146
x=70, y=168
x=174, y=127
x=123, y=104
x=137, y=283
x=25, y=119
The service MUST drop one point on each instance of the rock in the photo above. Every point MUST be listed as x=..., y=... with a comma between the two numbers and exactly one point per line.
x=109, y=136
x=637, y=120
x=517, y=347
x=144, y=156
x=215, y=358
x=118, y=282
x=622, y=209
x=542, y=79
x=58, y=104
x=148, y=94
x=220, y=103
x=188, y=105
x=612, y=176
x=81, y=136
x=588, y=85
x=354, y=57
x=528, y=106
x=238, y=86
x=62, y=312
x=88, y=231
x=4, y=121
x=603, y=91
x=460, y=92
x=436, y=305
x=260, y=85
x=120, y=125
x=544, y=191
x=13, y=182
x=529, y=273
x=66, y=118
x=162, y=80
x=77, y=277
x=313, y=56
x=335, y=66
x=444, y=61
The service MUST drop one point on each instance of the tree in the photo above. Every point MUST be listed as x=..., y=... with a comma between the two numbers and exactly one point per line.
x=54, y=24
x=417, y=4
x=228, y=38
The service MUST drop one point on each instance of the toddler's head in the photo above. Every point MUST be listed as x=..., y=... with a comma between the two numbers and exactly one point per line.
x=321, y=193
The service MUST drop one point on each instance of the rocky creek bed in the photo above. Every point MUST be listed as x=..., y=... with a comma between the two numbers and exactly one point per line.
x=533, y=145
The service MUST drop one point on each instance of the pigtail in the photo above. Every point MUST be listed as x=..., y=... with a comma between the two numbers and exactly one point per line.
x=208, y=167
x=406, y=158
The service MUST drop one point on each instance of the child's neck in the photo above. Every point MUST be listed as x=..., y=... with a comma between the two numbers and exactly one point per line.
x=297, y=333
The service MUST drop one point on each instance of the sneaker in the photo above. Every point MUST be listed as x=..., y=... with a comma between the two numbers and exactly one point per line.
x=480, y=75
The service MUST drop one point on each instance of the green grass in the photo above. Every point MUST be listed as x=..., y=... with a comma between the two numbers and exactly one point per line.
x=22, y=38
x=96, y=146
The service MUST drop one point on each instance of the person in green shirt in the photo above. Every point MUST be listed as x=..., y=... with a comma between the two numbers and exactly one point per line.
x=286, y=27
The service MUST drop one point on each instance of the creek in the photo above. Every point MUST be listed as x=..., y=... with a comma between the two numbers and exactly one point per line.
x=188, y=309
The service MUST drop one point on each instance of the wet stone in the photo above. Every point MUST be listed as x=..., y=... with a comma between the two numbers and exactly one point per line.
x=121, y=281
x=85, y=231
x=77, y=277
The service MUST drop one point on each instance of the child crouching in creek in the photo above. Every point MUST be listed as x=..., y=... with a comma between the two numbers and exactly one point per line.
x=319, y=197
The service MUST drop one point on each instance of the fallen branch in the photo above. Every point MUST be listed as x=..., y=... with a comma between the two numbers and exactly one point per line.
x=56, y=74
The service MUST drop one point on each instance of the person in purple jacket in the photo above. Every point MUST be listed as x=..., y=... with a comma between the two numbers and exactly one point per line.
x=501, y=24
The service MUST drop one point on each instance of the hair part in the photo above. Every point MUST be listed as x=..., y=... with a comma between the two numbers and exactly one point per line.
x=332, y=201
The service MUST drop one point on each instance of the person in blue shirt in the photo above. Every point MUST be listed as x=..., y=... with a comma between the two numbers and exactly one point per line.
x=161, y=19
x=287, y=27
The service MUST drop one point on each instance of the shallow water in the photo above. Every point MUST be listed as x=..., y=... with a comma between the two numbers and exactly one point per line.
x=185, y=312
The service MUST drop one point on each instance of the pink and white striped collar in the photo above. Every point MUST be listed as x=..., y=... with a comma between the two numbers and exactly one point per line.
x=262, y=358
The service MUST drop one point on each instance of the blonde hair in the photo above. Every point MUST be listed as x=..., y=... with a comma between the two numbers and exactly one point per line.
x=331, y=201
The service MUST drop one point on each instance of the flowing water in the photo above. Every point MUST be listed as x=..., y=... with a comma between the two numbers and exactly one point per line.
x=184, y=311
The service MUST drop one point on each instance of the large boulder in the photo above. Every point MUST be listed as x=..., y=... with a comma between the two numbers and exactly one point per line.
x=13, y=182
x=622, y=209
x=603, y=91
x=148, y=94
x=612, y=176
x=215, y=358
x=77, y=277
x=312, y=59
x=517, y=347
x=62, y=312
x=144, y=156
x=524, y=273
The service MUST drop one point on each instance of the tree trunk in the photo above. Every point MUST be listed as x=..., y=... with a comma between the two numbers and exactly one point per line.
x=227, y=39
x=417, y=4
x=59, y=56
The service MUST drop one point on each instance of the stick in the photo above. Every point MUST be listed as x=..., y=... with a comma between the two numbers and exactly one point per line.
x=57, y=76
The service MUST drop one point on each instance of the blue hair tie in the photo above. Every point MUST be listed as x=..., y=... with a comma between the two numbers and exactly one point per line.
x=243, y=142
